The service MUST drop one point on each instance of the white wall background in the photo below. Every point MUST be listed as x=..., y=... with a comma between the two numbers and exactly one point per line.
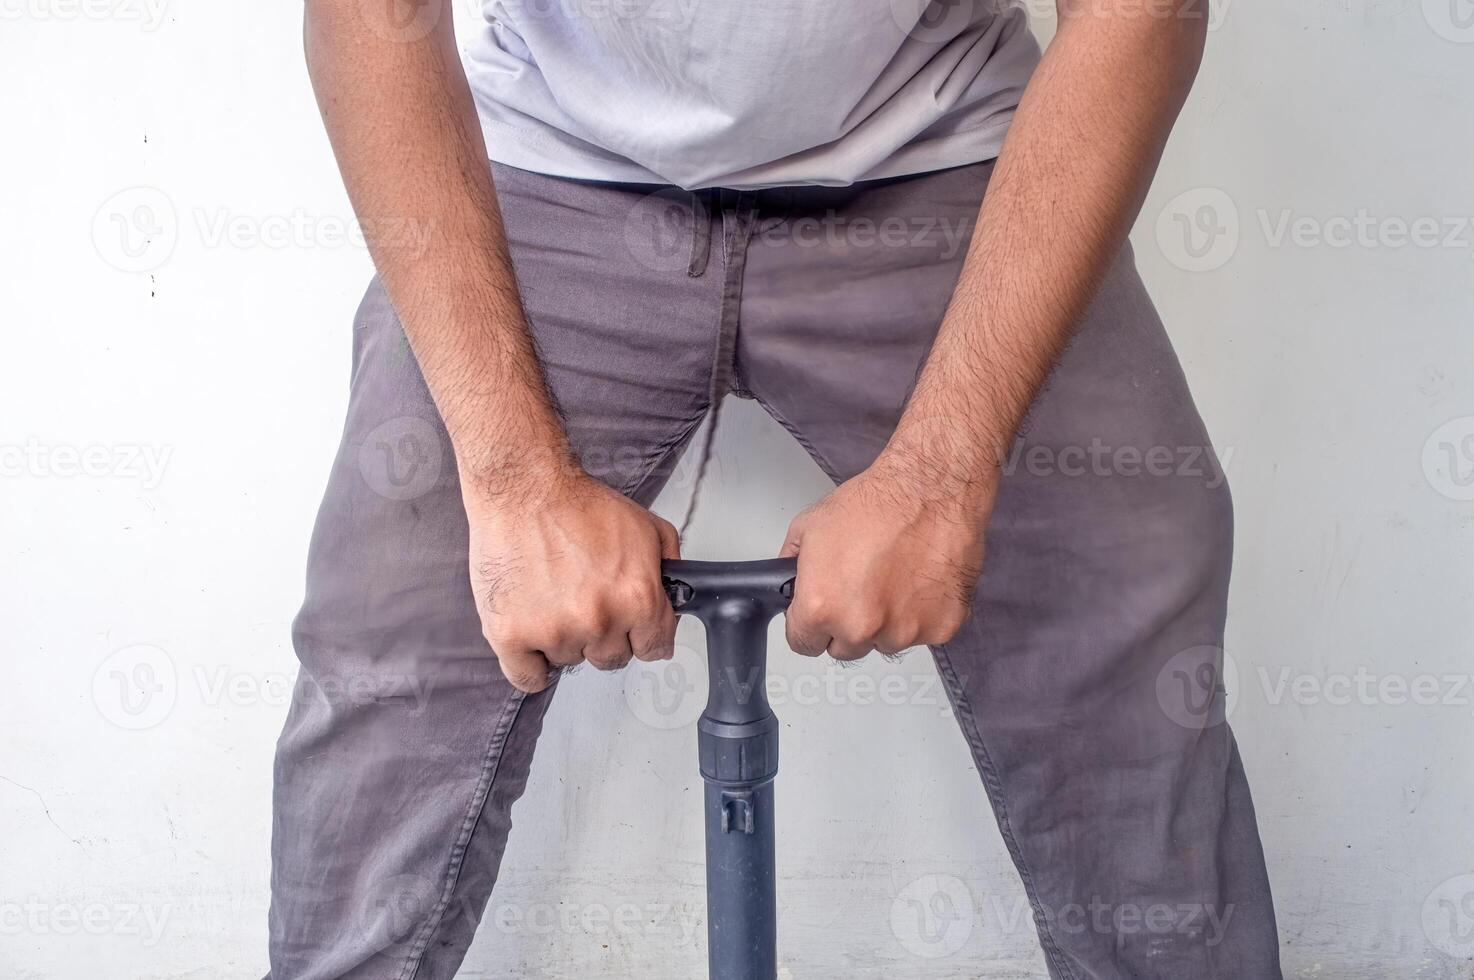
x=168, y=414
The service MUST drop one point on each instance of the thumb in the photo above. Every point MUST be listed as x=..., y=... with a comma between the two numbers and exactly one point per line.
x=670, y=538
x=795, y=536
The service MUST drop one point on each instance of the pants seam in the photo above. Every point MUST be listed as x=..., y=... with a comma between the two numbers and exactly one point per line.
x=737, y=222
x=989, y=772
x=798, y=437
x=737, y=219
x=661, y=453
x=491, y=763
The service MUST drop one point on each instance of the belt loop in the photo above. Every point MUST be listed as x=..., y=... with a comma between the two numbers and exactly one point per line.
x=700, y=234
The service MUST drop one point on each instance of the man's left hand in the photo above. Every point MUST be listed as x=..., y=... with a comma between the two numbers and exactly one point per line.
x=887, y=561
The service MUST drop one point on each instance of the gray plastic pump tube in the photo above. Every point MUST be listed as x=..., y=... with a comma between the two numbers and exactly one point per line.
x=738, y=746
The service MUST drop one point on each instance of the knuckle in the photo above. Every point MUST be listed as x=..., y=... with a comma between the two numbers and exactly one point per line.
x=953, y=622
x=643, y=600
x=520, y=677
x=858, y=629
x=563, y=655
x=943, y=630
x=501, y=636
x=555, y=634
x=664, y=638
x=608, y=660
x=813, y=608
x=894, y=641
x=587, y=622
x=800, y=642
x=650, y=653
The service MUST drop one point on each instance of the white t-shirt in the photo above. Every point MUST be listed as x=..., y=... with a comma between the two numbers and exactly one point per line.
x=747, y=93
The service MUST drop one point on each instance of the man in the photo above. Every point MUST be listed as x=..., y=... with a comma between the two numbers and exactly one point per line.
x=1013, y=389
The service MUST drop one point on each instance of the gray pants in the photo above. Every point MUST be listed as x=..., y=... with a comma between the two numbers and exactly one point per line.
x=1086, y=682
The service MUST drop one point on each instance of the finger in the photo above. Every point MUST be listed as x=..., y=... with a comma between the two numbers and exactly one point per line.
x=893, y=642
x=525, y=669
x=809, y=641
x=802, y=624
x=610, y=652
x=655, y=638
x=847, y=650
x=566, y=653
x=794, y=537
x=652, y=621
x=670, y=538
x=941, y=625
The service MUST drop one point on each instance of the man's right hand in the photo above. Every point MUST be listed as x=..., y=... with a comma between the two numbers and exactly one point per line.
x=564, y=569
x=568, y=571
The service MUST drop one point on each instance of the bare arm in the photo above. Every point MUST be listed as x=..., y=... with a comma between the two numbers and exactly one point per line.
x=553, y=552
x=404, y=129
x=1079, y=157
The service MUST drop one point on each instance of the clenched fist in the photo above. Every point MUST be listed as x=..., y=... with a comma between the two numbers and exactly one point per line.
x=569, y=575
x=887, y=561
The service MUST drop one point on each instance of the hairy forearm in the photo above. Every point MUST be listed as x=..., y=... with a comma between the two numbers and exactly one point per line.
x=403, y=126
x=1070, y=181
